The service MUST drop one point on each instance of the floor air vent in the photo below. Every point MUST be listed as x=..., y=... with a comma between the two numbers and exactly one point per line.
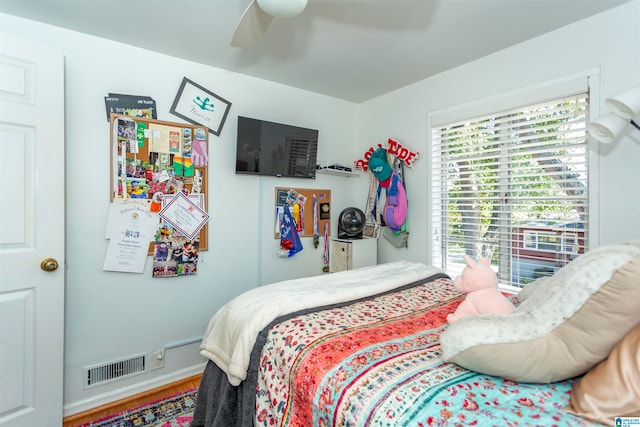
x=114, y=370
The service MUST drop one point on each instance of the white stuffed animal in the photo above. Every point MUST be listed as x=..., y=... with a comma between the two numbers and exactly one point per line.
x=480, y=283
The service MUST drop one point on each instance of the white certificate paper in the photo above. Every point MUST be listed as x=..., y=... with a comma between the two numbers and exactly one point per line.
x=130, y=231
x=184, y=215
x=120, y=209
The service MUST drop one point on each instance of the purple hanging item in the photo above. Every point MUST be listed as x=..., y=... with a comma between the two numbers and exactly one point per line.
x=395, y=208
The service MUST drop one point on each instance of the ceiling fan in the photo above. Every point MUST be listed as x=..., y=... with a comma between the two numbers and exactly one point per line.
x=256, y=19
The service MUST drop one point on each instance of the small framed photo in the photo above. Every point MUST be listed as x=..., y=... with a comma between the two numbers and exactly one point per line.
x=200, y=106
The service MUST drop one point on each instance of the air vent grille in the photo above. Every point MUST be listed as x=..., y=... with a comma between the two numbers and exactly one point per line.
x=114, y=370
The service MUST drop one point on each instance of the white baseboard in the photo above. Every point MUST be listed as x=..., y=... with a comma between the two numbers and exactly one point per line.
x=130, y=390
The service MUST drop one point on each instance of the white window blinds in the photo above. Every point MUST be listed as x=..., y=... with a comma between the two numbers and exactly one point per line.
x=513, y=186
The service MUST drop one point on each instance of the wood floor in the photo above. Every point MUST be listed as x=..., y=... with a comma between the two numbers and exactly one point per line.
x=132, y=402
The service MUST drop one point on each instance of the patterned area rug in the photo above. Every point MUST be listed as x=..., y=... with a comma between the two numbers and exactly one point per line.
x=174, y=411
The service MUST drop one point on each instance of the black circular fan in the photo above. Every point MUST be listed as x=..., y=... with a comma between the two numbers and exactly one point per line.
x=351, y=222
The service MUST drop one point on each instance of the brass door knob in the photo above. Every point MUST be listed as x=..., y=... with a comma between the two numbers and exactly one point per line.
x=49, y=264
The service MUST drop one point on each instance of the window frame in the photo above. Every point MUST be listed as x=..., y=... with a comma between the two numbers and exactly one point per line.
x=588, y=81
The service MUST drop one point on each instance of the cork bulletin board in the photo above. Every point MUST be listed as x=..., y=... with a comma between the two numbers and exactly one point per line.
x=154, y=159
x=304, y=211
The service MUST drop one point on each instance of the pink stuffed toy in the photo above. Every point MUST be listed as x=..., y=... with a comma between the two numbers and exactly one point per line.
x=480, y=283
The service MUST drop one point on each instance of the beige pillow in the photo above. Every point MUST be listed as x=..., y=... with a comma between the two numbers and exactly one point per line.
x=566, y=325
x=612, y=388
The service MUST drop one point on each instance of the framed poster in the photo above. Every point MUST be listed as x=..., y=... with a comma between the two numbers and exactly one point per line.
x=200, y=106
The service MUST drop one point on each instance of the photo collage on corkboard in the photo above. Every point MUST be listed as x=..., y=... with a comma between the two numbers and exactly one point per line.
x=301, y=202
x=154, y=160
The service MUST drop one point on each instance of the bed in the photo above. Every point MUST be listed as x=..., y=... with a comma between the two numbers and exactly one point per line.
x=359, y=348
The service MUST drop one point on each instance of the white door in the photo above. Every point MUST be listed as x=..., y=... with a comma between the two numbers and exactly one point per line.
x=31, y=231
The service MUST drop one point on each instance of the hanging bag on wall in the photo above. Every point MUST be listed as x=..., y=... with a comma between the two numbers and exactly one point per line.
x=395, y=208
x=400, y=238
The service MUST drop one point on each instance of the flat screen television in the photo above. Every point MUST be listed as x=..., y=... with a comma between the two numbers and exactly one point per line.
x=275, y=149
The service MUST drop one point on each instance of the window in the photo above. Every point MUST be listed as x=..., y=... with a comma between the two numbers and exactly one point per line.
x=512, y=185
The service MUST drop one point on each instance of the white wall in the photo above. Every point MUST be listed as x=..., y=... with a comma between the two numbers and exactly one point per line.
x=609, y=41
x=113, y=315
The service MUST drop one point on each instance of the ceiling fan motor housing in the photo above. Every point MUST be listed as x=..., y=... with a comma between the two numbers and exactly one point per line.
x=283, y=8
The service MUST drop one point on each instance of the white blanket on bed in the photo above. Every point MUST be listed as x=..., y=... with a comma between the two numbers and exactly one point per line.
x=231, y=333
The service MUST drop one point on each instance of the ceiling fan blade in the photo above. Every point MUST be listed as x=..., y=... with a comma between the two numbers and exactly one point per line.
x=251, y=27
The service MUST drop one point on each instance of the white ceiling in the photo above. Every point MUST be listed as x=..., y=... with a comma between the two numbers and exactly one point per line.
x=350, y=49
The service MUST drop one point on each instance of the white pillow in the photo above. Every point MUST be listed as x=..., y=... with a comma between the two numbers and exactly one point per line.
x=566, y=324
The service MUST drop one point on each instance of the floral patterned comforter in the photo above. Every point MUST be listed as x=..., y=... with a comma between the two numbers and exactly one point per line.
x=377, y=362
